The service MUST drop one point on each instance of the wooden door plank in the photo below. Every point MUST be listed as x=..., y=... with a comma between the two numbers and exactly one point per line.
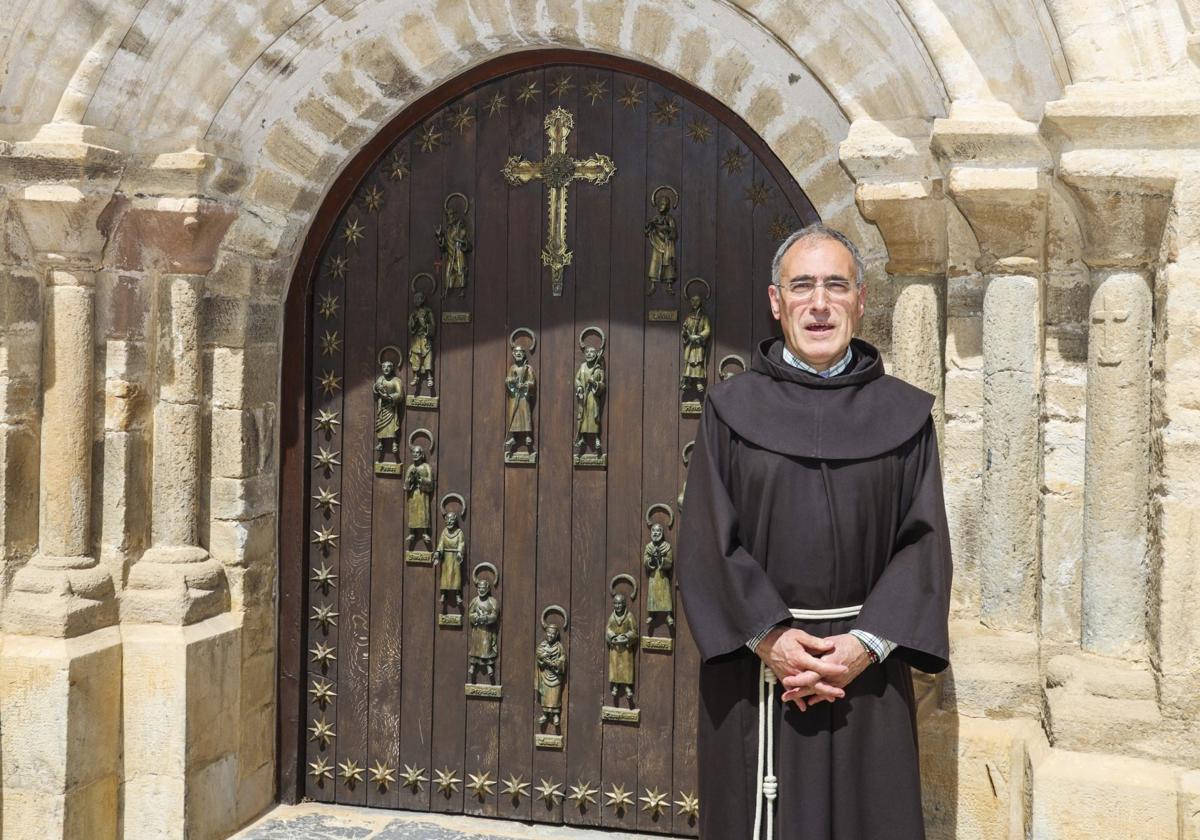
x=525, y=204
x=488, y=289
x=585, y=638
x=387, y=543
x=625, y=363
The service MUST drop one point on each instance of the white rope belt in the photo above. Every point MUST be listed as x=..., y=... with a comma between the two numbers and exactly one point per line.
x=768, y=783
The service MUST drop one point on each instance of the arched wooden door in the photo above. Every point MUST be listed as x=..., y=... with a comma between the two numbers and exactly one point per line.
x=377, y=703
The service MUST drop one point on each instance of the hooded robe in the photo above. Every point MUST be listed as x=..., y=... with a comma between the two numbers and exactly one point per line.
x=815, y=493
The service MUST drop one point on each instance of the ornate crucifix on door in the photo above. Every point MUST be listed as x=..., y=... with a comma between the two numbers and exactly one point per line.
x=558, y=169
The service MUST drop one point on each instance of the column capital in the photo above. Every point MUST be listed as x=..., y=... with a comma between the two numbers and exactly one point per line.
x=999, y=177
x=1121, y=148
x=899, y=188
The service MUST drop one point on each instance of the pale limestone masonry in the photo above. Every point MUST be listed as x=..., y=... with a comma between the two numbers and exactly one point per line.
x=1022, y=178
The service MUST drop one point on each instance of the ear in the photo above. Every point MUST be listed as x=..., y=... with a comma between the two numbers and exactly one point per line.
x=773, y=295
x=862, y=299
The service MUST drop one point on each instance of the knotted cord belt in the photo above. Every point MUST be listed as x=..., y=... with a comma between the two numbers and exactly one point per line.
x=768, y=783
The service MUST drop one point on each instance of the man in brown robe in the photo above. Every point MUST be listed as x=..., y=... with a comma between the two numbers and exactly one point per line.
x=814, y=487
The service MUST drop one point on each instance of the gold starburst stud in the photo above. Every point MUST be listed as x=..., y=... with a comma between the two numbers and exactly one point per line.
x=353, y=232
x=325, y=537
x=699, y=131
x=758, y=193
x=655, y=803
x=326, y=460
x=398, y=167
x=549, y=792
x=337, y=266
x=689, y=805
x=562, y=87
x=322, y=692
x=331, y=342
x=373, y=198
x=462, y=119
x=596, y=90
x=633, y=95
x=496, y=104
x=528, y=93
x=326, y=499
x=447, y=782
x=412, y=777
x=324, y=616
x=515, y=786
x=324, y=578
x=326, y=420
x=321, y=769
x=382, y=775
x=323, y=654
x=330, y=382
x=781, y=226
x=481, y=784
x=618, y=798
x=430, y=138
x=666, y=111
x=582, y=793
x=322, y=731
x=734, y=161
x=328, y=306
x=350, y=771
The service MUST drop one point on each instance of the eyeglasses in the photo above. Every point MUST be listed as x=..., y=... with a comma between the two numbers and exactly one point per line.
x=835, y=288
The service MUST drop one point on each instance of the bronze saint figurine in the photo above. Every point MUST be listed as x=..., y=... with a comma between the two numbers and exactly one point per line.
x=454, y=242
x=552, y=669
x=657, y=559
x=696, y=331
x=420, y=348
x=589, y=396
x=621, y=636
x=662, y=233
x=418, y=483
x=389, y=400
x=451, y=553
x=520, y=385
x=484, y=615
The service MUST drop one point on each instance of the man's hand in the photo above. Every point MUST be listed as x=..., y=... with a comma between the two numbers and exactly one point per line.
x=847, y=651
x=801, y=662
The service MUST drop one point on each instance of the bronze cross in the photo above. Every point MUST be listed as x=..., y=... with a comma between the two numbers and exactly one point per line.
x=557, y=170
x=1104, y=316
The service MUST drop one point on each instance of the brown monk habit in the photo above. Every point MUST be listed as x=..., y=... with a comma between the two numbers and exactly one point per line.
x=815, y=493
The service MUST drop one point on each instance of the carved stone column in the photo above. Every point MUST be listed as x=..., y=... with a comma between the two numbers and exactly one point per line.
x=899, y=188
x=182, y=646
x=61, y=663
x=998, y=178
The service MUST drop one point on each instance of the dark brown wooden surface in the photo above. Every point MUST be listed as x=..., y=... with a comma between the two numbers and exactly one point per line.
x=558, y=533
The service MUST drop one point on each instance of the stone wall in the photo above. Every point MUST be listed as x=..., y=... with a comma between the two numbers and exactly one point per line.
x=1021, y=178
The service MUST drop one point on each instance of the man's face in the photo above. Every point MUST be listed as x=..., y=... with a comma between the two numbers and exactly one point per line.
x=518, y=354
x=418, y=454
x=388, y=369
x=696, y=303
x=451, y=520
x=817, y=330
x=619, y=604
x=482, y=587
x=590, y=354
x=419, y=298
x=551, y=633
x=656, y=532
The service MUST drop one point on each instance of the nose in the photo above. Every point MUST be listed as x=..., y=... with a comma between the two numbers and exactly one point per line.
x=819, y=299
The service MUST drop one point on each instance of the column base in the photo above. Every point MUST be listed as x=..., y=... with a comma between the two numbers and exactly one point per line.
x=60, y=597
x=60, y=701
x=174, y=585
x=1100, y=704
x=182, y=717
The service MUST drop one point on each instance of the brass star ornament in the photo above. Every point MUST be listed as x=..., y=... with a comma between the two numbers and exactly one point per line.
x=325, y=616
x=399, y=167
x=324, y=577
x=699, y=131
x=326, y=499
x=734, y=161
x=655, y=803
x=412, y=777
x=758, y=193
x=322, y=731
x=430, y=138
x=321, y=770
x=337, y=267
x=596, y=90
x=528, y=93
x=326, y=420
x=582, y=794
x=496, y=104
x=373, y=198
x=549, y=792
x=326, y=460
x=481, y=784
x=666, y=112
x=447, y=782
x=328, y=306
x=632, y=96
x=382, y=775
x=562, y=87
x=330, y=382
x=350, y=771
x=688, y=805
x=462, y=119
x=330, y=343
x=618, y=798
x=323, y=654
x=325, y=538
x=353, y=232
x=322, y=692
x=515, y=786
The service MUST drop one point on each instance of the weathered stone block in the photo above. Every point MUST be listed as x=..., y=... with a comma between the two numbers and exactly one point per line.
x=243, y=498
x=243, y=542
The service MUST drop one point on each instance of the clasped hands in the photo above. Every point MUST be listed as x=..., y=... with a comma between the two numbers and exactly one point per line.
x=811, y=668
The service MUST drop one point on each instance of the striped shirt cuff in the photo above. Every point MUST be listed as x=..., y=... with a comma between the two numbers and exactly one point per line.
x=756, y=639
x=880, y=647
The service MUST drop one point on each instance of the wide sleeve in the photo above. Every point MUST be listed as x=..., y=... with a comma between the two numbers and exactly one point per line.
x=726, y=593
x=910, y=603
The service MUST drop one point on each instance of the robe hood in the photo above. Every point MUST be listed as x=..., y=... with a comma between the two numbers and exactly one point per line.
x=860, y=413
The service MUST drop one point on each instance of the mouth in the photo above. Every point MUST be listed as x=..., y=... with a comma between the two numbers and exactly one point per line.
x=819, y=329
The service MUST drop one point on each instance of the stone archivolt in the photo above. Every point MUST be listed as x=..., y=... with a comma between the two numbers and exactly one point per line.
x=1029, y=207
